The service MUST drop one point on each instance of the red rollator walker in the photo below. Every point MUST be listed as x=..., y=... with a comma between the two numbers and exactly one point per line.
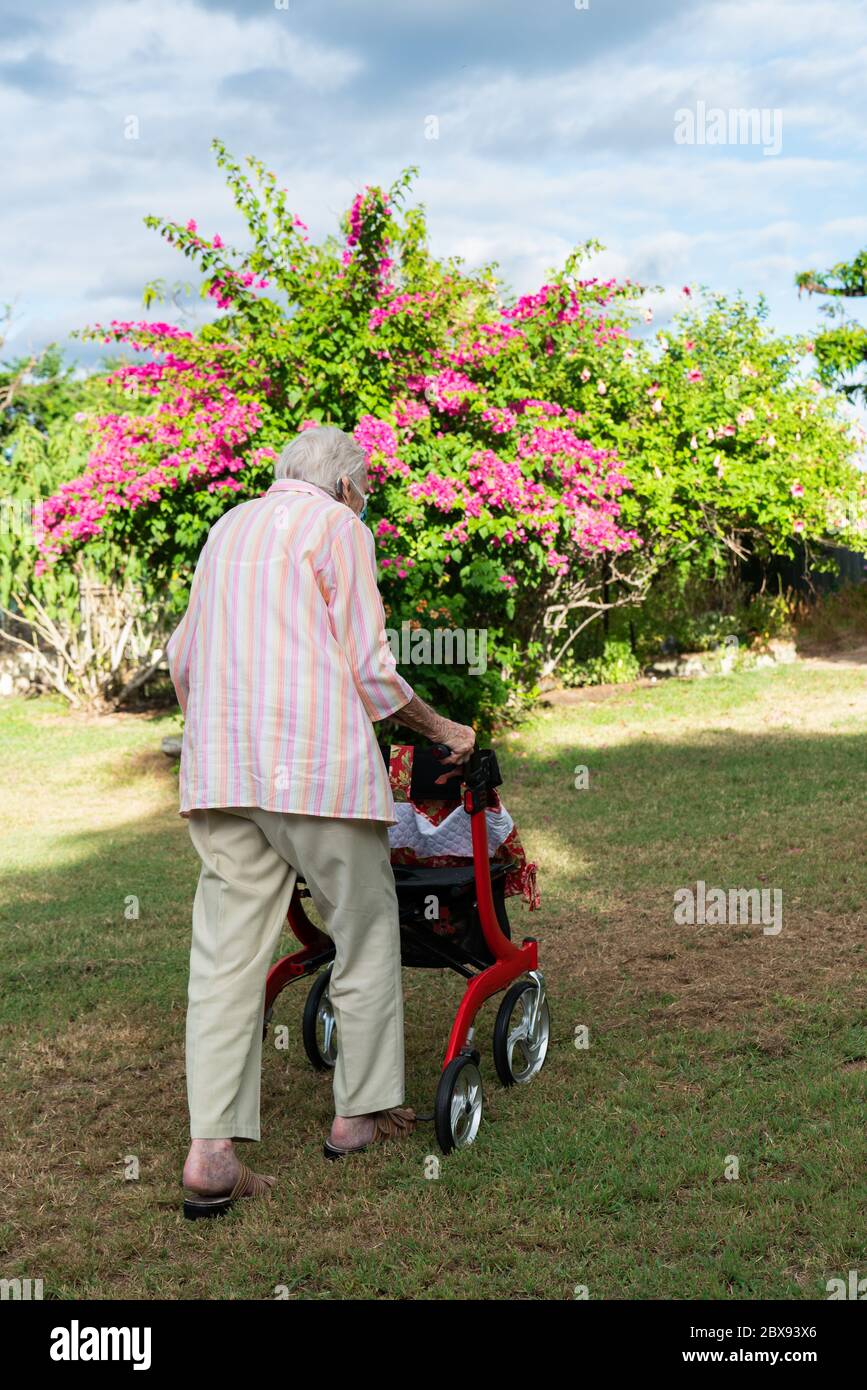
x=452, y=917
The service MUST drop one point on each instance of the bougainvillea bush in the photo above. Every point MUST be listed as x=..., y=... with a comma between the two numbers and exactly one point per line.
x=741, y=450
x=533, y=461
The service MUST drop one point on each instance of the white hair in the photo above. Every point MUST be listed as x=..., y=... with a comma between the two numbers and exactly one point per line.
x=322, y=456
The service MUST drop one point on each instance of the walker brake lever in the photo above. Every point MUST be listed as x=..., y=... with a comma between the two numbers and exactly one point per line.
x=441, y=751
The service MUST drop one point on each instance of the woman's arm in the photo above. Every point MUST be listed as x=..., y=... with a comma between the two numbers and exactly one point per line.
x=419, y=717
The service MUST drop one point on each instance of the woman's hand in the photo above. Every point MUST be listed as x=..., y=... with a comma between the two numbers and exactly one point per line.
x=461, y=739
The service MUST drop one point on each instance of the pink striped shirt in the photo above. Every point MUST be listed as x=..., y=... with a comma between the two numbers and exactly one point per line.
x=280, y=662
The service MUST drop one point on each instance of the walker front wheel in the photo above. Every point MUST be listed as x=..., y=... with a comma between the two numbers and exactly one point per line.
x=522, y=1032
x=319, y=1026
x=458, y=1111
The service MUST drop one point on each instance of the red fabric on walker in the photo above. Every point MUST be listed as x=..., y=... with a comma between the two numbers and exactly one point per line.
x=521, y=879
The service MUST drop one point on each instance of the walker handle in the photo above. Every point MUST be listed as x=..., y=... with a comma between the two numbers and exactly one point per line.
x=441, y=751
x=472, y=764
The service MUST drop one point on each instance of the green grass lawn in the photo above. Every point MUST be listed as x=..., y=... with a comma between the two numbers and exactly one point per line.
x=609, y=1171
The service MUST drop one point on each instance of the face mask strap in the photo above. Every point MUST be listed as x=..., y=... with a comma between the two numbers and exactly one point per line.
x=363, y=496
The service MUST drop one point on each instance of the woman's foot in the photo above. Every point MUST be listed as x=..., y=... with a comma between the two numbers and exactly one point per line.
x=352, y=1134
x=214, y=1178
x=212, y=1167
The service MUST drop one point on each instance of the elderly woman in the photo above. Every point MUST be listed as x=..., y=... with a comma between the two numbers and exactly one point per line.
x=281, y=667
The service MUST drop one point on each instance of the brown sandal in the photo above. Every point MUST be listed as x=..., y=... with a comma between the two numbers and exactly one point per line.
x=249, y=1184
x=397, y=1123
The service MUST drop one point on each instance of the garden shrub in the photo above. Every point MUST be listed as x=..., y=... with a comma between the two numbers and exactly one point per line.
x=535, y=461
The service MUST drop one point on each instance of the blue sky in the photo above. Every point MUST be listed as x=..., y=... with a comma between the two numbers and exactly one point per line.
x=556, y=123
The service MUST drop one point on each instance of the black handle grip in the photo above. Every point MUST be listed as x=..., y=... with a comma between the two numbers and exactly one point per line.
x=472, y=764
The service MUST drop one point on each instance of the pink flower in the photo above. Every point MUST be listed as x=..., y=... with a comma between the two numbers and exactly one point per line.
x=500, y=421
x=797, y=489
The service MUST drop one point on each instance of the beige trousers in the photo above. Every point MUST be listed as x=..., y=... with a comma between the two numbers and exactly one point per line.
x=250, y=861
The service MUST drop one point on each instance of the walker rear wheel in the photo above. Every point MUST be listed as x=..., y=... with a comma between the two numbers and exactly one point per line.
x=319, y=1026
x=458, y=1111
x=522, y=1032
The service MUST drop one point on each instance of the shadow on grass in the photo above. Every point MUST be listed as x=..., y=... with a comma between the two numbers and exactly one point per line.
x=779, y=810
x=734, y=796
x=112, y=916
x=616, y=1151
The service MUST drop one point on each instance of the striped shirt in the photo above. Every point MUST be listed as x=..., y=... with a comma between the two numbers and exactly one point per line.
x=281, y=663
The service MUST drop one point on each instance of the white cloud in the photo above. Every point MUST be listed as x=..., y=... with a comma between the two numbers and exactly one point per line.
x=536, y=152
x=846, y=226
x=121, y=47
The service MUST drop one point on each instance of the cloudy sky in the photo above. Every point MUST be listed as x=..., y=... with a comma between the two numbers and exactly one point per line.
x=555, y=123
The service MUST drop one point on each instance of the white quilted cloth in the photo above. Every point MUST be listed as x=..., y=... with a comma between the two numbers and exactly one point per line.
x=453, y=836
